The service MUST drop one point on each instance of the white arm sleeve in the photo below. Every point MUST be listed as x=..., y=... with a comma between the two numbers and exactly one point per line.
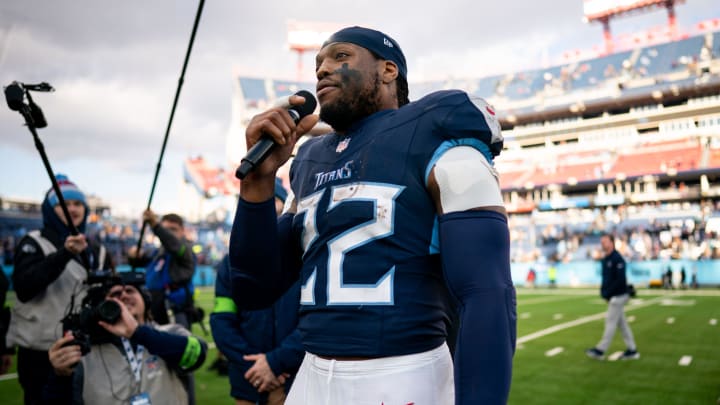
x=466, y=180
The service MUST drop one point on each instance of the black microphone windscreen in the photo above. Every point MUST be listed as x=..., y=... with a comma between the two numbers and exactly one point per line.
x=308, y=107
x=14, y=94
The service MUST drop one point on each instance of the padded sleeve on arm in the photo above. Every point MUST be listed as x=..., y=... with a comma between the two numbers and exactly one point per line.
x=260, y=245
x=475, y=251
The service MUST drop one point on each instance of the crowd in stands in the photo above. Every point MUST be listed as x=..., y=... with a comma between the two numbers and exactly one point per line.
x=643, y=232
x=209, y=241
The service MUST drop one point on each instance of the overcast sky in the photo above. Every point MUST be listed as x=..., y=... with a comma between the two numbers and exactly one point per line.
x=115, y=66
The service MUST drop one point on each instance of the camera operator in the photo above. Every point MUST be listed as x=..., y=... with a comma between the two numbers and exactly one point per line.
x=169, y=272
x=141, y=364
x=48, y=272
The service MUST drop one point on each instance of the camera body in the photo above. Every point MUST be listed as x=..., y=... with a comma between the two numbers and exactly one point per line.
x=83, y=321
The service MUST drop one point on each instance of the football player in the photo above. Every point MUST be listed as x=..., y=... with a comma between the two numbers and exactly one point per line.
x=397, y=208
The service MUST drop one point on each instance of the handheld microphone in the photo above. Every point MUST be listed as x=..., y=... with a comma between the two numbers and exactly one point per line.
x=264, y=146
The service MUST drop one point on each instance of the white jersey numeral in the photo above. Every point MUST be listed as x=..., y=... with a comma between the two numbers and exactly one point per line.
x=381, y=225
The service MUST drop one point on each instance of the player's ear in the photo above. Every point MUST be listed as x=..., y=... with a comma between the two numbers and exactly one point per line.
x=390, y=71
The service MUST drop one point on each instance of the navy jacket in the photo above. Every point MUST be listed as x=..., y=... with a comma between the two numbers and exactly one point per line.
x=614, y=281
x=272, y=331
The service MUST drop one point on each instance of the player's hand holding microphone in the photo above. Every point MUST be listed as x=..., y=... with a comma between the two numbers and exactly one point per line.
x=271, y=137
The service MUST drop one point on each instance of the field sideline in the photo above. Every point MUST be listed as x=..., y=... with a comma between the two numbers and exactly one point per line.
x=677, y=334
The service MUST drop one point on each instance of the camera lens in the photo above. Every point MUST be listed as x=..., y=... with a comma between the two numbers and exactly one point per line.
x=108, y=311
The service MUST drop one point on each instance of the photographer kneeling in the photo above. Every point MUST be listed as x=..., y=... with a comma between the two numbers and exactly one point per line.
x=139, y=364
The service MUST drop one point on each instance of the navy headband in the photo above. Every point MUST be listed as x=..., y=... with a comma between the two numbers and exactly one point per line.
x=375, y=41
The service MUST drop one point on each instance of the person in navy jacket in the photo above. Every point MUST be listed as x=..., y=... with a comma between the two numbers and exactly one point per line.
x=614, y=290
x=263, y=347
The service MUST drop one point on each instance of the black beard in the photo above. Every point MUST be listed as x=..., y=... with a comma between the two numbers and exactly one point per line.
x=355, y=103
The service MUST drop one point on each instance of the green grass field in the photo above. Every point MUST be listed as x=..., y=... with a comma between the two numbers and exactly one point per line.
x=550, y=367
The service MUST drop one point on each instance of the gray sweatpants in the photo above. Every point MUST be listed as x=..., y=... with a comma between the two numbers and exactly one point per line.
x=615, y=318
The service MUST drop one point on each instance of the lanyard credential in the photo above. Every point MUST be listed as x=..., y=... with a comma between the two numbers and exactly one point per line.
x=135, y=359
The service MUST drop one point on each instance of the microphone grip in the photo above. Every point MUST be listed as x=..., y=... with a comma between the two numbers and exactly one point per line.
x=254, y=157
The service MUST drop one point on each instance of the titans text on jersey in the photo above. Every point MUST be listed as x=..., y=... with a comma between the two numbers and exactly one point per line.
x=345, y=172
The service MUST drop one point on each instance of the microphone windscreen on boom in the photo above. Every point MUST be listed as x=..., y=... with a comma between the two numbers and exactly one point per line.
x=14, y=95
x=262, y=148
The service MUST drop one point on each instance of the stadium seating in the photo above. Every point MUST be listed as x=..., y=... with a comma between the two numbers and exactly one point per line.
x=560, y=166
x=253, y=91
x=284, y=88
x=714, y=160
x=657, y=158
x=595, y=71
x=486, y=87
x=209, y=181
x=669, y=57
x=660, y=67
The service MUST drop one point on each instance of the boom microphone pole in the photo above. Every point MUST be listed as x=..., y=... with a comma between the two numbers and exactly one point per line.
x=15, y=95
x=167, y=130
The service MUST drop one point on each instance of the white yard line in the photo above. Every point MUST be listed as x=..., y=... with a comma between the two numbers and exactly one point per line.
x=540, y=300
x=554, y=351
x=557, y=291
x=580, y=321
x=669, y=302
x=686, y=293
x=615, y=356
x=10, y=376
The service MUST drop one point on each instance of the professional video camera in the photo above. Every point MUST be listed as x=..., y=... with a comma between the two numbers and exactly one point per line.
x=83, y=322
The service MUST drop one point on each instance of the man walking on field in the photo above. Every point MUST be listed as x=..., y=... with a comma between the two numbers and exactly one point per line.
x=614, y=290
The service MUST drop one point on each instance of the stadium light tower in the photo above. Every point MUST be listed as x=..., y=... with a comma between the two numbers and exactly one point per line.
x=308, y=36
x=605, y=10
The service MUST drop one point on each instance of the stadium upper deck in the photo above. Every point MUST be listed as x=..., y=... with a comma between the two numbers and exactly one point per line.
x=526, y=96
x=653, y=110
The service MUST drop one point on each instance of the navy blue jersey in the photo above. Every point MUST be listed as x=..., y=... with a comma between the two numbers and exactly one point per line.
x=367, y=225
